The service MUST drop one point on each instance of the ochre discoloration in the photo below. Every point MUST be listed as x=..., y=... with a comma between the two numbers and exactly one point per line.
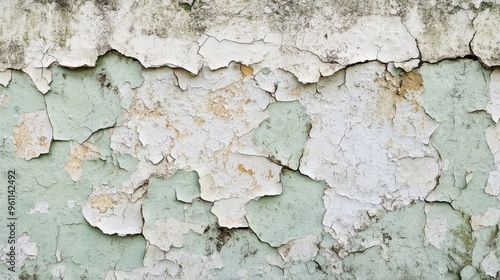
x=411, y=81
x=247, y=71
x=102, y=202
x=79, y=153
x=388, y=97
x=33, y=135
x=242, y=169
x=221, y=102
x=374, y=181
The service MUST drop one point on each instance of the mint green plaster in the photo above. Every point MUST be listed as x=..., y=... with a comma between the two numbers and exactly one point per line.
x=406, y=256
x=125, y=161
x=160, y=202
x=327, y=241
x=88, y=252
x=308, y=270
x=454, y=88
x=198, y=212
x=163, y=200
x=283, y=135
x=240, y=250
x=23, y=97
x=486, y=240
x=44, y=181
x=186, y=185
x=455, y=95
x=243, y=251
x=83, y=101
x=63, y=227
x=102, y=139
x=458, y=242
x=295, y=213
x=161, y=206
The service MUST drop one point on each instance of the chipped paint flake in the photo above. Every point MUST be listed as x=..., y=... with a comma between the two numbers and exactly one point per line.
x=435, y=231
x=33, y=135
x=303, y=249
x=218, y=54
x=78, y=153
x=493, y=183
x=40, y=207
x=493, y=107
x=41, y=77
x=490, y=217
x=491, y=264
x=365, y=140
x=113, y=211
x=5, y=77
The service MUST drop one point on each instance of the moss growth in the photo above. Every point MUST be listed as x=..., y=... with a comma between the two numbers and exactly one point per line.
x=186, y=7
x=464, y=234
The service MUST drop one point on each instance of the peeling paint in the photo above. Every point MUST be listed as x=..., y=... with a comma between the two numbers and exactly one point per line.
x=268, y=216
x=85, y=101
x=252, y=139
x=33, y=135
x=283, y=135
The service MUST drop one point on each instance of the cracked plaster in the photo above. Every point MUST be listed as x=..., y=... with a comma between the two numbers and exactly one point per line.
x=174, y=161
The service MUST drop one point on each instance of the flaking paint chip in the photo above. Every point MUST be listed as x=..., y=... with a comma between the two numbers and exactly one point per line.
x=246, y=70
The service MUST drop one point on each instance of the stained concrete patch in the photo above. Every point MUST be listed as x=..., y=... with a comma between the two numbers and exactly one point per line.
x=275, y=219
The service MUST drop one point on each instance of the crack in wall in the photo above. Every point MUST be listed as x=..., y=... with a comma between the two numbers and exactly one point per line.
x=375, y=141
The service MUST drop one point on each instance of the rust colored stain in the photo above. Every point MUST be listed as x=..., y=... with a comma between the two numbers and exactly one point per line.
x=242, y=169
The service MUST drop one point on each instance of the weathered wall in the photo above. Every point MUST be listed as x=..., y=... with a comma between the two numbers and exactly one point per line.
x=250, y=139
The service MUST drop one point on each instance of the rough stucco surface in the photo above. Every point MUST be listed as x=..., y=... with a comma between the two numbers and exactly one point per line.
x=251, y=139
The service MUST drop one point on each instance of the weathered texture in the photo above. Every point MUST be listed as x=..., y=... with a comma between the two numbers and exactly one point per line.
x=251, y=139
x=367, y=141
x=85, y=101
x=112, y=211
x=320, y=37
x=493, y=184
x=273, y=218
x=458, y=105
x=33, y=135
x=283, y=135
